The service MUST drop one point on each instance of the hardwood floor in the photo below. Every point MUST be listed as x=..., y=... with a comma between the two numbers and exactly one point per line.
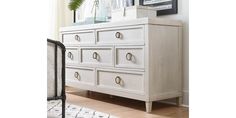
x=123, y=107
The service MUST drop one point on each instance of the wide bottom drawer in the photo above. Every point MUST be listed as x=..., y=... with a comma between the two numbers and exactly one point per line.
x=80, y=75
x=132, y=82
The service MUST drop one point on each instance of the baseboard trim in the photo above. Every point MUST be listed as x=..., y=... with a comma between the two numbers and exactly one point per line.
x=173, y=103
x=184, y=105
x=185, y=97
x=185, y=100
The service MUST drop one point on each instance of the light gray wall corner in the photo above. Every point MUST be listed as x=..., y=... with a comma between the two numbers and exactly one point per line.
x=183, y=15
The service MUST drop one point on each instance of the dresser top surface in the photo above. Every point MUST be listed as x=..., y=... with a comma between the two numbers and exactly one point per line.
x=140, y=21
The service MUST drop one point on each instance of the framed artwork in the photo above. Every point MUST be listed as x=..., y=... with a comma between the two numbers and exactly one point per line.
x=84, y=11
x=163, y=7
x=117, y=4
x=87, y=10
x=76, y=16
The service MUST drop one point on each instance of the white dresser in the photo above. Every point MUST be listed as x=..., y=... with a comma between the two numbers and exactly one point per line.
x=139, y=59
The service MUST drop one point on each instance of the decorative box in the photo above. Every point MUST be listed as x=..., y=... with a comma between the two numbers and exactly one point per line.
x=133, y=12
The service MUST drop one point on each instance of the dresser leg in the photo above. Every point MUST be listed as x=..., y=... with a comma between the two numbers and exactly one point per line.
x=111, y=96
x=89, y=93
x=148, y=106
x=178, y=101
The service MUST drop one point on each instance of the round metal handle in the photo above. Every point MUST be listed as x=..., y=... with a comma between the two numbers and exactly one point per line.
x=95, y=55
x=129, y=56
x=77, y=37
x=118, y=35
x=76, y=75
x=70, y=55
x=118, y=80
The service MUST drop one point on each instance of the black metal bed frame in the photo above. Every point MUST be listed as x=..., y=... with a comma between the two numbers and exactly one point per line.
x=63, y=93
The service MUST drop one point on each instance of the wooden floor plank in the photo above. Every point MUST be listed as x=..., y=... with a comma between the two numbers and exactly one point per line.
x=123, y=107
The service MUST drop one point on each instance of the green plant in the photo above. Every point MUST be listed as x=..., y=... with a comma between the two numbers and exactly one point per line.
x=75, y=4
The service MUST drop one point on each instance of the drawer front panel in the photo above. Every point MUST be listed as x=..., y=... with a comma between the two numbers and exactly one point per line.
x=80, y=75
x=97, y=56
x=121, y=35
x=79, y=38
x=123, y=81
x=72, y=56
x=132, y=57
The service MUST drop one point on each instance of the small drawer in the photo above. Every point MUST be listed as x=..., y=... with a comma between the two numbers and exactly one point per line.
x=127, y=35
x=132, y=82
x=96, y=56
x=80, y=75
x=72, y=56
x=74, y=39
x=129, y=57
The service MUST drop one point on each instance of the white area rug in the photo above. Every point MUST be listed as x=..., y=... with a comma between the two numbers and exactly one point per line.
x=73, y=111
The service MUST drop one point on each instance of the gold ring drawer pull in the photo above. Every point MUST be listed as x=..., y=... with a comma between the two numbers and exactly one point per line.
x=118, y=80
x=77, y=37
x=118, y=35
x=95, y=55
x=129, y=56
x=70, y=55
x=76, y=75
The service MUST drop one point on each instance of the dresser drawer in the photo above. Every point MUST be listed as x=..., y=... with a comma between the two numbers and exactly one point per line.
x=131, y=57
x=132, y=82
x=96, y=56
x=80, y=75
x=121, y=35
x=74, y=39
x=72, y=56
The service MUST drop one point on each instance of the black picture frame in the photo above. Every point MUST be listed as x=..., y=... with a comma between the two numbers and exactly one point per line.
x=74, y=16
x=173, y=10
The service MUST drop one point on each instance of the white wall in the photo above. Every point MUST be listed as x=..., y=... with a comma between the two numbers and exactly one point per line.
x=68, y=14
x=60, y=16
x=183, y=15
x=65, y=19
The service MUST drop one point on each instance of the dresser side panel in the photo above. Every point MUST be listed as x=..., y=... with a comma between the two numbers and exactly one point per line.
x=164, y=62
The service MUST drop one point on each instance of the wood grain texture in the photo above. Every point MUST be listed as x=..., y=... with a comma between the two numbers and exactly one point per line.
x=164, y=62
x=77, y=38
x=140, y=21
x=156, y=49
